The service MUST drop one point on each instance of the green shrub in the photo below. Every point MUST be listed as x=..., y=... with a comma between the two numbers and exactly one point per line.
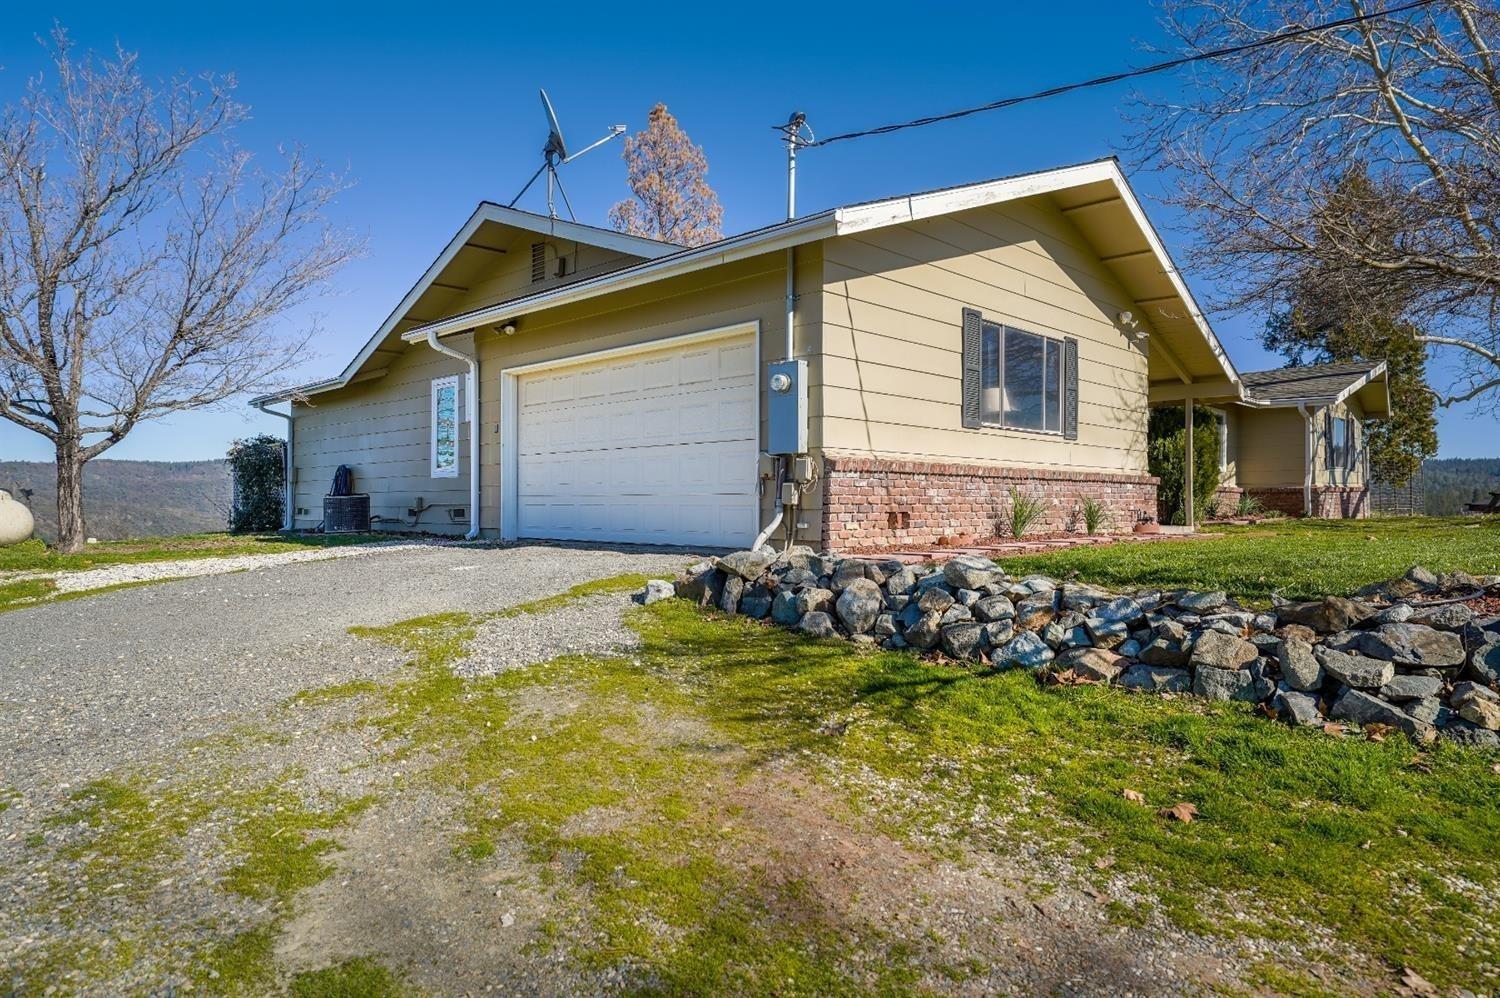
x=1250, y=505
x=258, y=467
x=1095, y=514
x=1025, y=510
x=1165, y=449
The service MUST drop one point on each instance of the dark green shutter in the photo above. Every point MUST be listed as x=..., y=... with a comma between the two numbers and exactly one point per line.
x=1070, y=388
x=973, y=366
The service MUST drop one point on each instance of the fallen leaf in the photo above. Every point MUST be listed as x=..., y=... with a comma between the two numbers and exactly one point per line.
x=1104, y=862
x=1096, y=894
x=1267, y=710
x=1420, y=764
x=1133, y=795
x=1415, y=983
x=1181, y=811
x=1376, y=732
x=1333, y=729
x=1495, y=768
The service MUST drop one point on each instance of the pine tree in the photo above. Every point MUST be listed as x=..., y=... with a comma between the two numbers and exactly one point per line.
x=667, y=175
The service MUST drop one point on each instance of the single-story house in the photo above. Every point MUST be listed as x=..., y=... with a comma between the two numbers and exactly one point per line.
x=548, y=379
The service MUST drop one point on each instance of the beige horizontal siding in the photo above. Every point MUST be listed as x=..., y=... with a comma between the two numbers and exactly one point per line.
x=1268, y=448
x=891, y=375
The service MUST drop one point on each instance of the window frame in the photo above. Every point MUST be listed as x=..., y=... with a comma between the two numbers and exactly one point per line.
x=438, y=385
x=1340, y=457
x=1049, y=343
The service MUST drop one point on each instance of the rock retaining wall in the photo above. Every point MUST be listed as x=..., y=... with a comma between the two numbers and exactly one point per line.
x=873, y=503
x=1383, y=658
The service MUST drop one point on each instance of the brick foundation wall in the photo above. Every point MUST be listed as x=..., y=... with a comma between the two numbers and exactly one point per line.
x=1226, y=498
x=1330, y=502
x=873, y=503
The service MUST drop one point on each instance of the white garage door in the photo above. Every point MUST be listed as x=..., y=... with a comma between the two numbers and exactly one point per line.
x=648, y=448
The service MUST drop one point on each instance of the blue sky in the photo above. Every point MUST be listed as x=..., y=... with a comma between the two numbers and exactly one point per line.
x=431, y=108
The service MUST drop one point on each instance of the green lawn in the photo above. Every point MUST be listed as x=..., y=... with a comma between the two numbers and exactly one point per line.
x=33, y=555
x=1299, y=559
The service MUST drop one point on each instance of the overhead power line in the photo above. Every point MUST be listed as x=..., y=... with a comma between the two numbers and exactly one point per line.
x=1100, y=81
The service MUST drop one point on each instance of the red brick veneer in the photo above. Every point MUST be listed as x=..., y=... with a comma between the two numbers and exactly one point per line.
x=876, y=503
x=1330, y=502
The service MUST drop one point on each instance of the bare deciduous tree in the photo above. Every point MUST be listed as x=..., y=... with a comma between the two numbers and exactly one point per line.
x=143, y=259
x=1263, y=139
x=668, y=175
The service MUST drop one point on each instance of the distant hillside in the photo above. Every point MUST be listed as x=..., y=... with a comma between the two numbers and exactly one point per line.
x=1453, y=481
x=130, y=498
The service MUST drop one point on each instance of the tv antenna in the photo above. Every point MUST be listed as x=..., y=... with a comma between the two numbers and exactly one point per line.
x=555, y=154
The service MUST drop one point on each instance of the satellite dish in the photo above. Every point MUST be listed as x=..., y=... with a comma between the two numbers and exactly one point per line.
x=555, y=154
x=555, y=144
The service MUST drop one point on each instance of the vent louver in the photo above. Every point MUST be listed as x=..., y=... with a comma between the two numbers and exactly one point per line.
x=538, y=262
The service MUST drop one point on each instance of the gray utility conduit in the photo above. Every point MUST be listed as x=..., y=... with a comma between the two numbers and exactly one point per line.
x=290, y=463
x=473, y=408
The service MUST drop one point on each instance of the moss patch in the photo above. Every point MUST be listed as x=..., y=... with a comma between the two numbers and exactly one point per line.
x=360, y=977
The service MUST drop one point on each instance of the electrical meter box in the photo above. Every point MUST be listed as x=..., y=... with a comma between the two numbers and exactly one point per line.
x=786, y=407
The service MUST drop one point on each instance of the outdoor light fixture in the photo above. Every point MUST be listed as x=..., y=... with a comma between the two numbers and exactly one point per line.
x=509, y=329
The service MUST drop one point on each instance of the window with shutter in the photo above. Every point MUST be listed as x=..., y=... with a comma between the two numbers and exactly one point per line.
x=1017, y=379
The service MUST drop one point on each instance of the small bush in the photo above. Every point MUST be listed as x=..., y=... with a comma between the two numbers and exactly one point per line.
x=1095, y=515
x=1250, y=505
x=258, y=467
x=1025, y=510
x=1165, y=446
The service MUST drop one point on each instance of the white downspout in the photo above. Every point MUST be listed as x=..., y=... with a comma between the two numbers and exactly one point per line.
x=1308, y=449
x=473, y=408
x=290, y=501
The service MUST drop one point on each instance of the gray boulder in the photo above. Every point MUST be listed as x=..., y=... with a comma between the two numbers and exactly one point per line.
x=818, y=624
x=1464, y=692
x=1484, y=664
x=656, y=590
x=994, y=608
x=1166, y=653
x=1216, y=650
x=1096, y=664
x=969, y=572
x=885, y=625
x=784, y=609
x=962, y=641
x=859, y=604
x=795, y=578
x=813, y=601
x=1412, y=644
x=1481, y=712
x=1356, y=670
x=1449, y=617
x=1297, y=708
x=1129, y=648
x=1203, y=602
x=755, y=606
x=935, y=599
x=1036, y=611
x=902, y=581
x=1430, y=710
x=1106, y=633
x=848, y=570
x=702, y=587
x=748, y=565
x=1412, y=688
x=925, y=631
x=1469, y=734
x=1327, y=615
x=1299, y=667
x=1122, y=610
x=729, y=599
x=1025, y=650
x=1156, y=679
x=1362, y=708
x=1223, y=684
x=956, y=614
x=998, y=632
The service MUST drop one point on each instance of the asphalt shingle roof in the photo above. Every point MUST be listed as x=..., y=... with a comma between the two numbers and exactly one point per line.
x=1312, y=381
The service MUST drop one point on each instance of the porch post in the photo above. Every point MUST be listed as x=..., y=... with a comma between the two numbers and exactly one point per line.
x=1187, y=485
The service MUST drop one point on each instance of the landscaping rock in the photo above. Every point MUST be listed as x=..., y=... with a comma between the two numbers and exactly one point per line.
x=1217, y=650
x=902, y=581
x=1464, y=692
x=1203, y=602
x=998, y=632
x=1396, y=613
x=1106, y=633
x=962, y=641
x=1297, y=708
x=1299, y=631
x=1356, y=670
x=1166, y=653
x=1412, y=644
x=1036, y=611
x=1449, y=617
x=1123, y=610
x=656, y=590
x=1129, y=648
x=1025, y=650
x=885, y=625
x=748, y=565
x=1484, y=664
x=784, y=609
x=729, y=599
x=848, y=570
x=1481, y=712
x=1412, y=688
x=994, y=608
x=925, y=631
x=1430, y=710
x=1223, y=684
x=796, y=578
x=702, y=587
x=859, y=604
x=1156, y=679
x=1469, y=734
x=970, y=572
x=1327, y=615
x=813, y=601
x=1362, y=708
x=756, y=607
x=818, y=624
x=1299, y=666
x=935, y=600
x=1096, y=664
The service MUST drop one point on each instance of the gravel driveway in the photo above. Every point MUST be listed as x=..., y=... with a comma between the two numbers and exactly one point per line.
x=90, y=684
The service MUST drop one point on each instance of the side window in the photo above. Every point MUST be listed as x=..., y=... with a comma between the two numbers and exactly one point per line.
x=1025, y=381
x=445, y=427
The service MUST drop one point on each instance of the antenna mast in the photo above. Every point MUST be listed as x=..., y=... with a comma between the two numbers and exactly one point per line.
x=555, y=154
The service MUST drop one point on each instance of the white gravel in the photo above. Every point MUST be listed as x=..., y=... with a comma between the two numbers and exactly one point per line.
x=591, y=626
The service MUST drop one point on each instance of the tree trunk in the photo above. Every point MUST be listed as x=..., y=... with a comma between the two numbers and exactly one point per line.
x=70, y=527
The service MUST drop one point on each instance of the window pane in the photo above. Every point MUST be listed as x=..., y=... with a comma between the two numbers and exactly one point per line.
x=1054, y=386
x=445, y=427
x=989, y=395
x=1024, y=357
